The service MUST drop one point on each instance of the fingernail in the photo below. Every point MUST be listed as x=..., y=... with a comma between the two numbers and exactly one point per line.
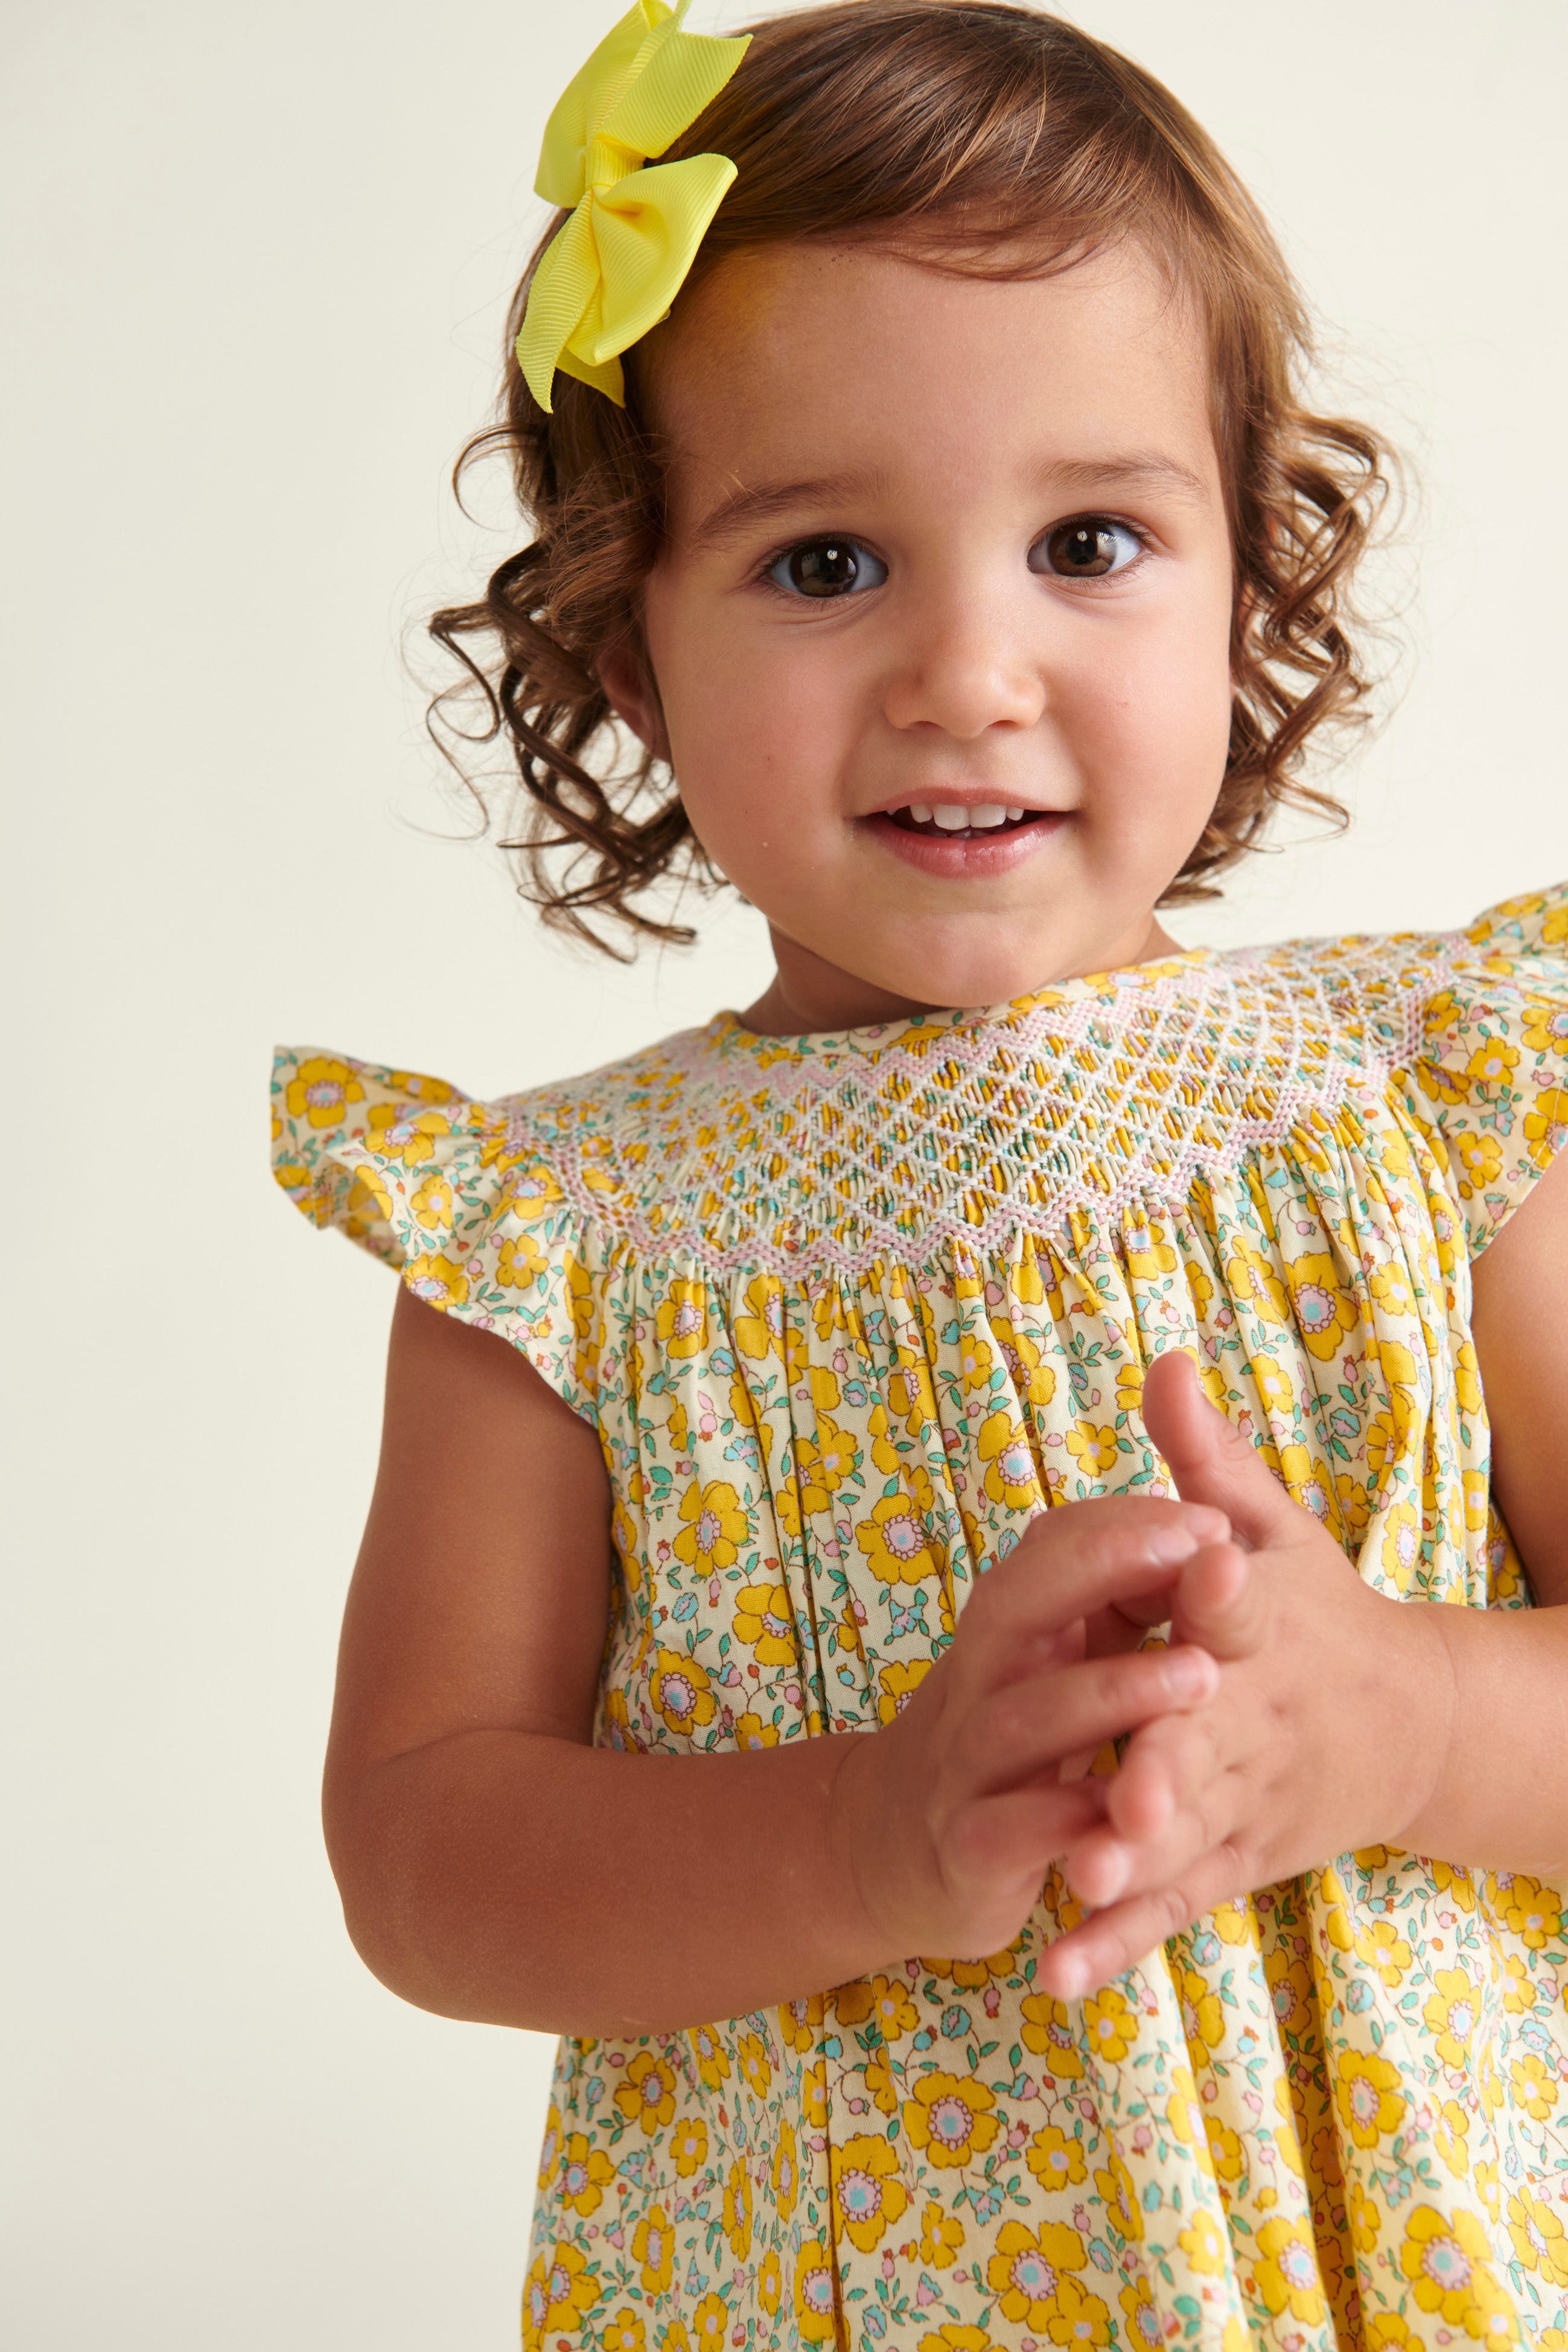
x=1189, y=1672
x=1210, y=1526
x=1171, y=1544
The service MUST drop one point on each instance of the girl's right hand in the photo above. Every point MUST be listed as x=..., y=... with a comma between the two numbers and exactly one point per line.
x=948, y=1820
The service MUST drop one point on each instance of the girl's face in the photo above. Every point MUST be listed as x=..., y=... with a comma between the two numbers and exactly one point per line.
x=941, y=629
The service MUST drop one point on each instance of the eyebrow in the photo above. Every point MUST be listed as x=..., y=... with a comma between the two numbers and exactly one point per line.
x=743, y=508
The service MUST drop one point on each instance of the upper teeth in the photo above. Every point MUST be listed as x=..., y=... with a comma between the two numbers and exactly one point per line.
x=952, y=816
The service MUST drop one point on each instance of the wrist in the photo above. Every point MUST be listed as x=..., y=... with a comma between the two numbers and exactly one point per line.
x=1426, y=1703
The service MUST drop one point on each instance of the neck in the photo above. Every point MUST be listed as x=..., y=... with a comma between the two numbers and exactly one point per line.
x=807, y=992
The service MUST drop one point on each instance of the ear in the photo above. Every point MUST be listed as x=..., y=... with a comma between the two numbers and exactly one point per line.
x=629, y=690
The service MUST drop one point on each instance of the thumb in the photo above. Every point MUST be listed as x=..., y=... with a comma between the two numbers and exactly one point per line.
x=1210, y=1461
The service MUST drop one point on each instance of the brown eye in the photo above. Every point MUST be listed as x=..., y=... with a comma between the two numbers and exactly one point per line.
x=1087, y=548
x=827, y=567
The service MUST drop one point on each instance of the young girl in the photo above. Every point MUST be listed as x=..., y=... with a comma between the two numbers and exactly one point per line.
x=749, y=1670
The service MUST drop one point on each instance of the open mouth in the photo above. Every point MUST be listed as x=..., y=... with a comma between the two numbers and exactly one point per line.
x=953, y=821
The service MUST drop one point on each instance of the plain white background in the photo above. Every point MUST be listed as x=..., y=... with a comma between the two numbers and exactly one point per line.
x=255, y=309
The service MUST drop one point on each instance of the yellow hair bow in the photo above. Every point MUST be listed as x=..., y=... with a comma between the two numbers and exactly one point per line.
x=619, y=262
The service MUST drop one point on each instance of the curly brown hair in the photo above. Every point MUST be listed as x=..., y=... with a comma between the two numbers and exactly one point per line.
x=980, y=137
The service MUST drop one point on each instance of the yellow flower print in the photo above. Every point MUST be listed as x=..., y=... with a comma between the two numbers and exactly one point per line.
x=1519, y=1993
x=1492, y=1064
x=885, y=1999
x=1234, y=1923
x=1365, y=2219
x=1275, y=1388
x=709, y=2323
x=941, y=2238
x=321, y=1091
x=1538, y=2236
x=973, y=1976
x=714, y=1524
x=957, y=2339
x=880, y=2082
x=1526, y=1908
x=648, y=2095
x=760, y=1332
x=1466, y=1376
x=753, y=1733
x=770, y=2284
x=974, y=1361
x=1033, y=1381
x=558, y=2293
x=799, y=2021
x=520, y=1263
x=1080, y=2317
x=738, y=2211
x=1446, y=2262
x=675, y=2337
x=1110, y=2025
x=867, y=2194
x=751, y=2064
x=1094, y=1450
x=1450, y=2137
x=550, y=2152
x=688, y=2146
x=1026, y=2269
x=1535, y=2085
x=712, y=2058
x=765, y=1623
x=1488, y=2187
x=440, y=1282
x=1254, y=1279
x=679, y=1689
x=897, y=1684
x=432, y=1202
x=1115, y=2186
x=823, y=1462
x=895, y=1542
x=624, y=2332
x=1037, y=1279
x=1048, y=2034
x=1183, y=2113
x=786, y=2172
x=681, y=1320
x=1204, y=2245
x=1286, y=2273
x=1369, y=2097
x=585, y=2172
x=1488, y=2082
x=1477, y=1161
x=1142, y=2320
x=1546, y=1026
x=1056, y=2161
x=814, y=2312
x=1325, y=1316
x=1289, y=1988
x=1149, y=1252
x=398, y=1133
x=1401, y=1552
x=652, y=2245
x=1010, y=1467
x=1202, y=2015
x=1387, y=1951
x=949, y=2119
x=531, y=1194
x=1225, y=2151
x=1129, y=1386
x=1308, y=1480
x=1452, y=2014
x=1390, y=1286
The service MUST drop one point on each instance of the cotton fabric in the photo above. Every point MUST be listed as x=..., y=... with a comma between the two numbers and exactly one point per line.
x=846, y=1311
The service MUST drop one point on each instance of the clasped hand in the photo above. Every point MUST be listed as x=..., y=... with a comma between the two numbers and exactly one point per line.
x=1294, y=1715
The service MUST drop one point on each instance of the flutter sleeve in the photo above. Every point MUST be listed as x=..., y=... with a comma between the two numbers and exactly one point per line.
x=1493, y=1057
x=452, y=1193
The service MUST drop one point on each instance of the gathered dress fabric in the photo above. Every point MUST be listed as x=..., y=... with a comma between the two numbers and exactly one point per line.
x=847, y=1311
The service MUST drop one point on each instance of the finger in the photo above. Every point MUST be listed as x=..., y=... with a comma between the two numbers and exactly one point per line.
x=1181, y=1814
x=1007, y=1842
x=1211, y=1462
x=1076, y=1558
x=1114, y=1940
x=1224, y=1600
x=1027, y=1728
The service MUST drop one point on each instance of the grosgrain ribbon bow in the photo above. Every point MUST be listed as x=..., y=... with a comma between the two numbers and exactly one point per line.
x=617, y=266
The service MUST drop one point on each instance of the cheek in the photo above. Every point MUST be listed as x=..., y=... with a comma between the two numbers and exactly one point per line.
x=1155, y=719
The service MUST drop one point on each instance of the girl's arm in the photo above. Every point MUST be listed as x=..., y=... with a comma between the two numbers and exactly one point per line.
x=495, y=1865
x=1345, y=1719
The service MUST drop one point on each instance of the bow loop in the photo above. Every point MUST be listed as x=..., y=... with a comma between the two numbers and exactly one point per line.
x=617, y=263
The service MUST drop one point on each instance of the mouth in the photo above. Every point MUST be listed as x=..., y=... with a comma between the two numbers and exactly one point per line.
x=962, y=820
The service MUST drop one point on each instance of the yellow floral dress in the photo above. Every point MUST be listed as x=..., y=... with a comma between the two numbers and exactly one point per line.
x=846, y=1311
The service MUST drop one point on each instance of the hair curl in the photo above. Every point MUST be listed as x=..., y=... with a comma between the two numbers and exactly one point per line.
x=971, y=133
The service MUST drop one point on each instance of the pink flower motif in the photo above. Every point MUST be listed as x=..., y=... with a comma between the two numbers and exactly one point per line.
x=1142, y=2137
x=925, y=2292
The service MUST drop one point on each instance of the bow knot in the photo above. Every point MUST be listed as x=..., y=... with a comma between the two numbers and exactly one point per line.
x=617, y=263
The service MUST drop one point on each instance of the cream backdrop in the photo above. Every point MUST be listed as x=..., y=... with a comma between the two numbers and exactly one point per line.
x=254, y=310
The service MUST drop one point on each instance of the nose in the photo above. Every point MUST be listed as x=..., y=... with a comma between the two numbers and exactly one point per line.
x=965, y=668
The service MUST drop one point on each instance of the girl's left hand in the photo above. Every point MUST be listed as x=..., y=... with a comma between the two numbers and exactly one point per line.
x=1329, y=1730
